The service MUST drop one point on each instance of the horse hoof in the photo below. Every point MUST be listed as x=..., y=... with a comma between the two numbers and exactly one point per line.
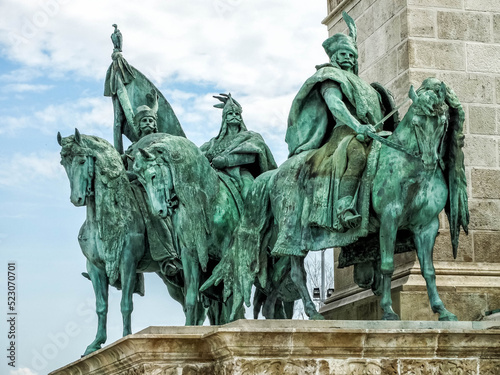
x=91, y=349
x=390, y=316
x=316, y=316
x=448, y=317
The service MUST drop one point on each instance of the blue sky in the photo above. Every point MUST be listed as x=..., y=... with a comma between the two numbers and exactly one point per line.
x=53, y=58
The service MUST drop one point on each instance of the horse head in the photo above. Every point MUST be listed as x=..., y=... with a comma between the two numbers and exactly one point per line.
x=78, y=162
x=430, y=120
x=154, y=174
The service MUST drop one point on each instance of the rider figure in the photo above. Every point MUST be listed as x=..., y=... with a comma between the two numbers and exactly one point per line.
x=240, y=155
x=330, y=110
x=161, y=242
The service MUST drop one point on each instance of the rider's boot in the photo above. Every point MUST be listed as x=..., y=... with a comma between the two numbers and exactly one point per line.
x=169, y=267
x=345, y=207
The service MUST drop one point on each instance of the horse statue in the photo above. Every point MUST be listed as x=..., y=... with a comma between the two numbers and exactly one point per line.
x=412, y=176
x=181, y=183
x=113, y=236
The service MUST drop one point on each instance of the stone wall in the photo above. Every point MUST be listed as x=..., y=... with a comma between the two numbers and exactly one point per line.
x=258, y=347
x=402, y=42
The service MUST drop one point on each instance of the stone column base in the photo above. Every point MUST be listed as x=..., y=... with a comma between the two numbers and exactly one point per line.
x=467, y=289
x=255, y=347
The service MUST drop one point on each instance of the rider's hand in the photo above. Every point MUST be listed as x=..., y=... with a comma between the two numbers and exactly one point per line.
x=363, y=129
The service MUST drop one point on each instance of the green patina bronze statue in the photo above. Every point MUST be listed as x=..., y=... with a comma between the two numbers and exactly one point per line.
x=356, y=178
x=129, y=89
x=113, y=237
x=340, y=189
x=203, y=197
x=239, y=154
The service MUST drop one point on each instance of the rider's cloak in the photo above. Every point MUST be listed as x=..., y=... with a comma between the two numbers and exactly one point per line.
x=318, y=143
x=310, y=122
x=237, y=148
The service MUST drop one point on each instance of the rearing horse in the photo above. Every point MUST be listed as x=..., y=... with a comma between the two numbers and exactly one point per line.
x=420, y=172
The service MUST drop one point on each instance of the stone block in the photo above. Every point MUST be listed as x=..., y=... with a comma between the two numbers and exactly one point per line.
x=384, y=70
x=487, y=247
x=485, y=183
x=494, y=299
x=466, y=306
x=483, y=58
x=482, y=120
x=422, y=22
x=403, y=21
x=436, y=54
x=484, y=214
x=365, y=25
x=496, y=28
x=383, y=40
x=336, y=27
x=467, y=26
x=399, y=88
x=384, y=10
x=403, y=61
x=483, y=5
x=471, y=88
x=456, y=4
x=444, y=252
x=480, y=151
x=415, y=306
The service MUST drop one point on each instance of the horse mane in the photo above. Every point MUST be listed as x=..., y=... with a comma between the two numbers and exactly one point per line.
x=456, y=207
x=113, y=197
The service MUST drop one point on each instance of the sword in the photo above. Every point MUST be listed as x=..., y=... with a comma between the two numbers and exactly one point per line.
x=377, y=137
x=390, y=143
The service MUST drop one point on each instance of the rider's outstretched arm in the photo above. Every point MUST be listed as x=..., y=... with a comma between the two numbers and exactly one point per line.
x=333, y=96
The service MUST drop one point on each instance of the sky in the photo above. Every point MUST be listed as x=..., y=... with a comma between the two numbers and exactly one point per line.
x=53, y=59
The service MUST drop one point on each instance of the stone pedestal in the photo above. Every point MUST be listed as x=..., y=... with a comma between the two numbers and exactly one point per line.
x=256, y=347
x=469, y=290
x=402, y=42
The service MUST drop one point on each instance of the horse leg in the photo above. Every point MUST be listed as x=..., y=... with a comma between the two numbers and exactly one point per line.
x=273, y=308
x=388, y=231
x=259, y=298
x=270, y=304
x=288, y=307
x=299, y=277
x=424, y=241
x=191, y=285
x=100, y=285
x=128, y=279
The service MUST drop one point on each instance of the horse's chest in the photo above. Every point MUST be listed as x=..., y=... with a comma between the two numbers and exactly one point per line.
x=426, y=200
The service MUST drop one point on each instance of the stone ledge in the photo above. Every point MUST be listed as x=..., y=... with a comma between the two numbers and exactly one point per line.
x=302, y=347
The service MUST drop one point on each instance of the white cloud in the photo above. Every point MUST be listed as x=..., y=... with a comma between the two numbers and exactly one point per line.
x=21, y=75
x=251, y=46
x=89, y=115
x=258, y=50
x=25, y=87
x=24, y=170
x=22, y=371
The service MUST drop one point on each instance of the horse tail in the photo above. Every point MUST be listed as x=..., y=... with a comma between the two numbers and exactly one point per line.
x=246, y=256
